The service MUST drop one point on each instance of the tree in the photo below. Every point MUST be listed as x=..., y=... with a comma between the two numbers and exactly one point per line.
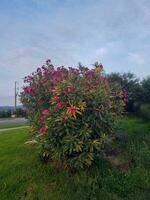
x=131, y=84
x=146, y=90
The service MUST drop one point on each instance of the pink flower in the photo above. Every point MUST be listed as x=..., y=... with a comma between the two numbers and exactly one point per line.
x=66, y=92
x=64, y=118
x=59, y=105
x=72, y=110
x=57, y=77
x=89, y=74
x=54, y=98
x=29, y=90
x=41, y=120
x=46, y=73
x=56, y=81
x=70, y=88
x=43, y=130
x=42, y=81
x=45, y=112
x=86, y=68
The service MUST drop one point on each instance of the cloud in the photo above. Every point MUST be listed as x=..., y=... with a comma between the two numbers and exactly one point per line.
x=115, y=33
x=137, y=58
x=101, y=52
x=7, y=101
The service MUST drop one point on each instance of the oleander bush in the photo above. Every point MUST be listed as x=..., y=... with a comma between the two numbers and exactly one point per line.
x=72, y=112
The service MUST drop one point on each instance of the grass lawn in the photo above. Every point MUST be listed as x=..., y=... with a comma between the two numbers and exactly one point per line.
x=2, y=126
x=23, y=176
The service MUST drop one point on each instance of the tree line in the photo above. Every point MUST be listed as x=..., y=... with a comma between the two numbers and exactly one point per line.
x=7, y=113
x=138, y=92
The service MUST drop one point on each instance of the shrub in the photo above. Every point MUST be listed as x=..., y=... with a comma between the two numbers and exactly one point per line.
x=145, y=111
x=132, y=86
x=74, y=112
x=5, y=113
x=146, y=90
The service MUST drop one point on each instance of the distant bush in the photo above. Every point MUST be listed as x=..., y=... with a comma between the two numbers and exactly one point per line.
x=74, y=112
x=5, y=113
x=138, y=92
x=132, y=86
x=145, y=111
x=20, y=112
x=146, y=90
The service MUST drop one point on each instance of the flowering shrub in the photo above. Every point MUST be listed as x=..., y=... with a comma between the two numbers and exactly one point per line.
x=73, y=110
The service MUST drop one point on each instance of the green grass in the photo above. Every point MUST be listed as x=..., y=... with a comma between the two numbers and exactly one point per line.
x=23, y=176
x=2, y=126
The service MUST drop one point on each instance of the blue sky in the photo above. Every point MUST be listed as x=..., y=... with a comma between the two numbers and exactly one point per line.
x=114, y=32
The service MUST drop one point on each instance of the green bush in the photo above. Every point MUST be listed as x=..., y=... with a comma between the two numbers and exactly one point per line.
x=5, y=113
x=145, y=111
x=74, y=112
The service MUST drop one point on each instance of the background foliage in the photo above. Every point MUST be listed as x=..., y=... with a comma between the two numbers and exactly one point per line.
x=138, y=93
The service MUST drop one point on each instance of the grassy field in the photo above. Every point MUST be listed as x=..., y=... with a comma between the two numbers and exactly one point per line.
x=23, y=176
x=2, y=126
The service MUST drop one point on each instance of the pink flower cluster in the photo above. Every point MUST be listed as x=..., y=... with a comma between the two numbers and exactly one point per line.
x=41, y=120
x=45, y=112
x=124, y=94
x=59, y=105
x=61, y=89
x=29, y=90
x=43, y=130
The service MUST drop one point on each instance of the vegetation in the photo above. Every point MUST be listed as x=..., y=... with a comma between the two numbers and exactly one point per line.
x=146, y=90
x=74, y=111
x=145, y=111
x=74, y=123
x=138, y=92
x=20, y=112
x=3, y=126
x=7, y=113
x=23, y=176
x=131, y=85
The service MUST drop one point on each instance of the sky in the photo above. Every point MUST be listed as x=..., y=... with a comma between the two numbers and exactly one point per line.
x=113, y=32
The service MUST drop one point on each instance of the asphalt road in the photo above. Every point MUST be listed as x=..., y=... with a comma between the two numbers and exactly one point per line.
x=17, y=121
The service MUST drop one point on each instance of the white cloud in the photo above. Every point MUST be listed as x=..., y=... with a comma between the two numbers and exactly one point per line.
x=101, y=52
x=136, y=58
x=115, y=33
